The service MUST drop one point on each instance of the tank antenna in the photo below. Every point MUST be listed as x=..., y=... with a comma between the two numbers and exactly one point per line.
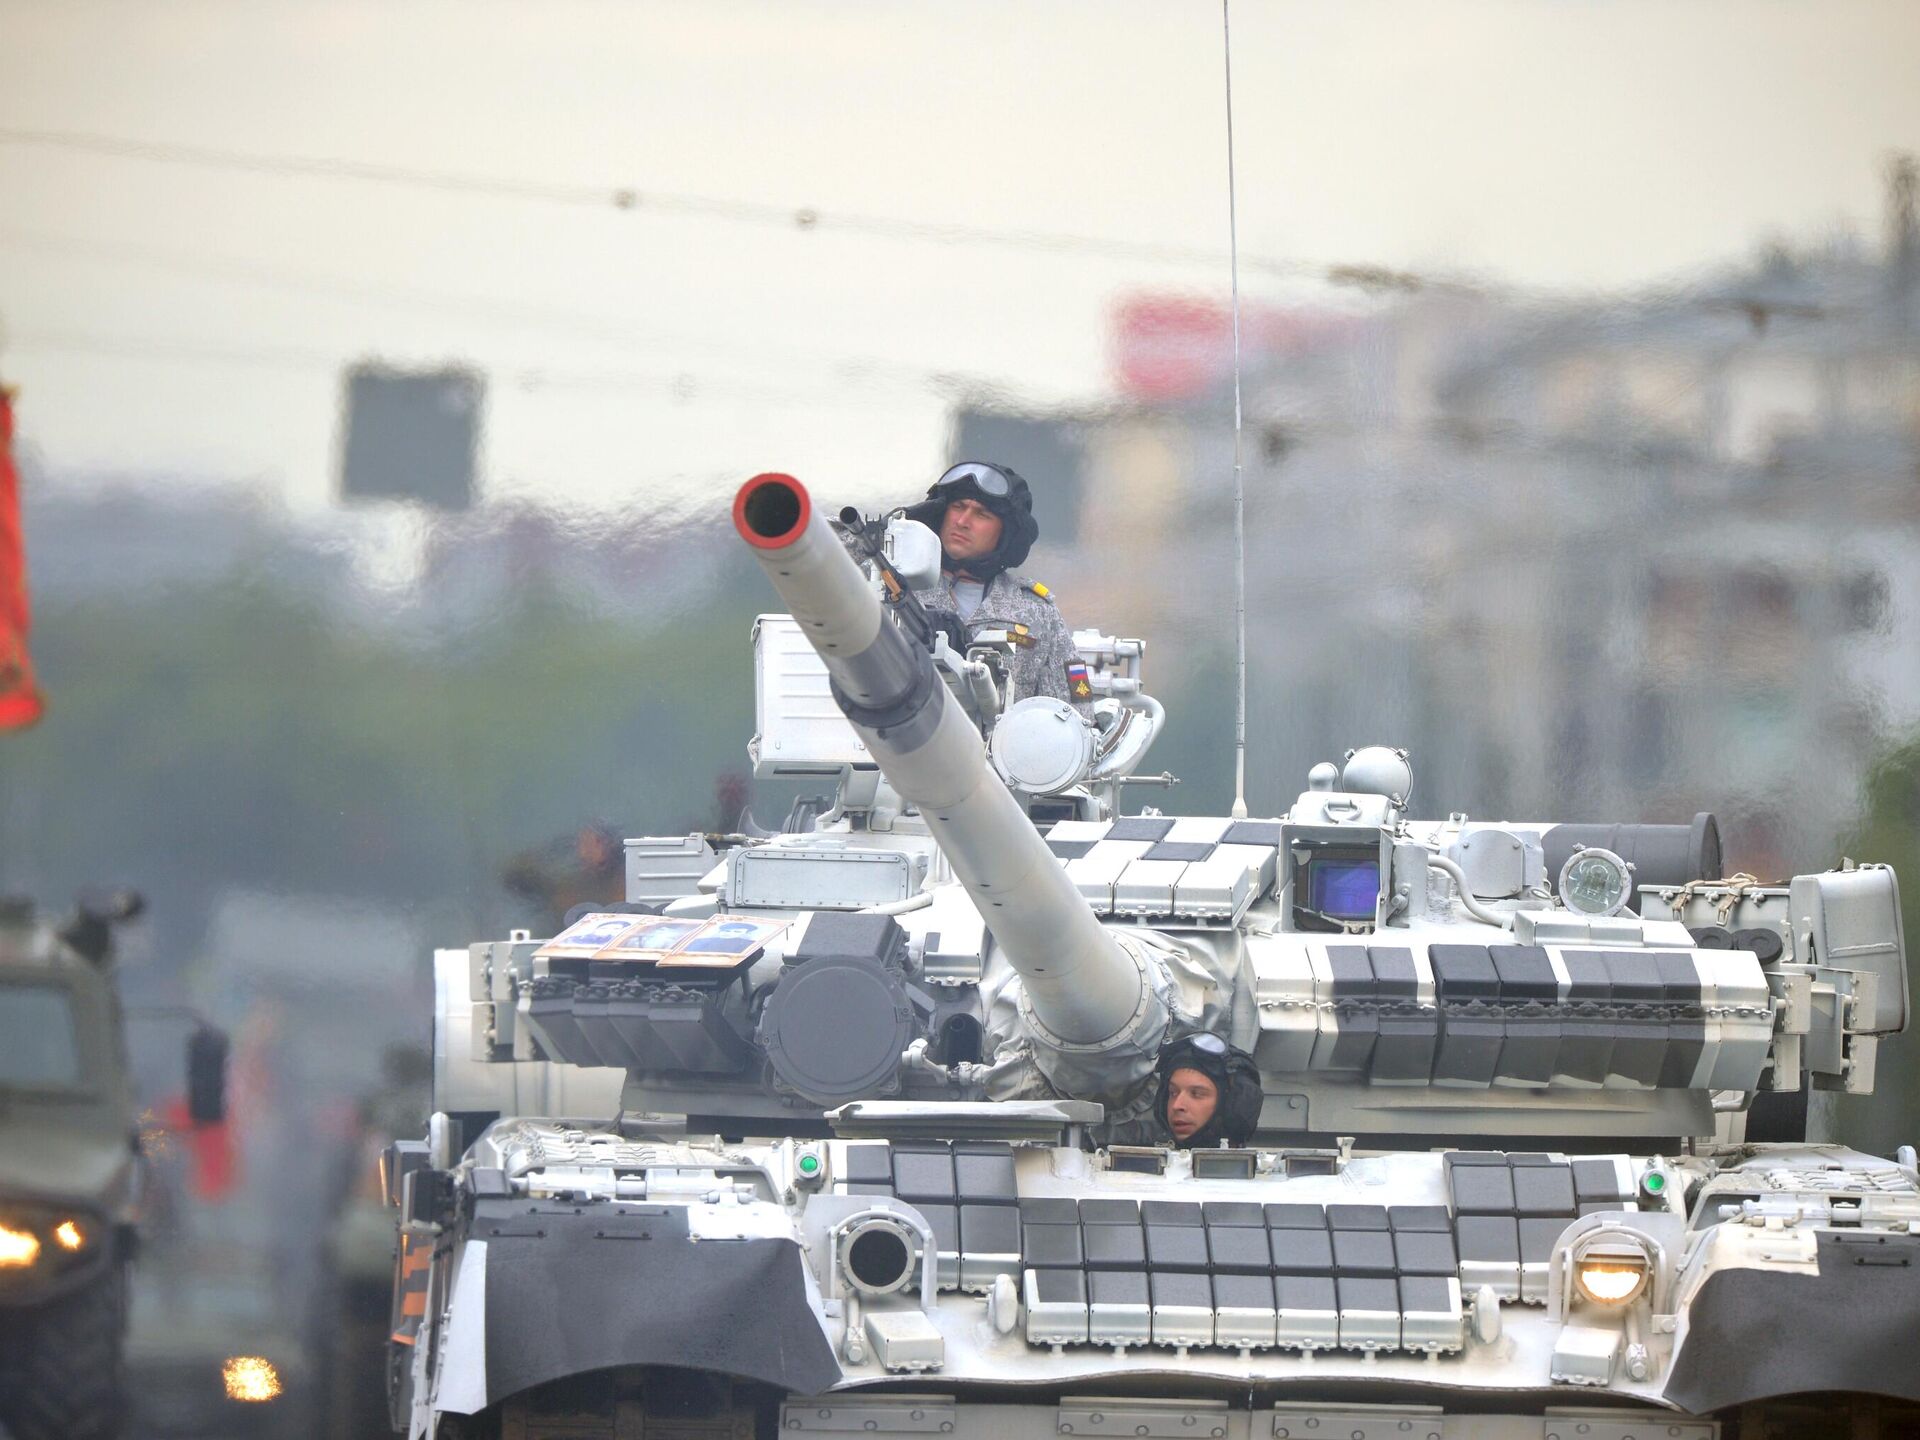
x=1239, y=489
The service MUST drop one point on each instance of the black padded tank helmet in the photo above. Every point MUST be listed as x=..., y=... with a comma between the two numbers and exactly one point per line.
x=1235, y=1075
x=998, y=487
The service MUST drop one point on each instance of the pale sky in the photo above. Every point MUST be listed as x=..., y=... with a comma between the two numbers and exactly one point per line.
x=190, y=320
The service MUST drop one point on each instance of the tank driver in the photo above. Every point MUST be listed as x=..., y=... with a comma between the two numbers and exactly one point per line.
x=983, y=515
x=1209, y=1093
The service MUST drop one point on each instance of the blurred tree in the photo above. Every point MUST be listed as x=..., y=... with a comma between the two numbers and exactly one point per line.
x=241, y=737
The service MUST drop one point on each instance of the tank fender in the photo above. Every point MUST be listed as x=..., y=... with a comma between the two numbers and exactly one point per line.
x=1753, y=1334
x=550, y=1289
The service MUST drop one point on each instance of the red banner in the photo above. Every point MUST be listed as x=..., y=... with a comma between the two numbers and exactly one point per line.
x=20, y=702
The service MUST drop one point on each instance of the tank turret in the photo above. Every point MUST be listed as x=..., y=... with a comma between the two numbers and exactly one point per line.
x=924, y=935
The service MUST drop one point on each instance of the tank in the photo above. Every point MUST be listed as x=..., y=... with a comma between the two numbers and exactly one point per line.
x=855, y=1127
x=69, y=1178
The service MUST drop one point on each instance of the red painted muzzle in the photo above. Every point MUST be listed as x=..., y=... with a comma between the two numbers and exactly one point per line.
x=771, y=511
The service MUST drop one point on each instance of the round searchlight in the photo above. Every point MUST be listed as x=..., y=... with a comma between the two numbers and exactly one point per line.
x=1378, y=770
x=1595, y=882
x=1041, y=746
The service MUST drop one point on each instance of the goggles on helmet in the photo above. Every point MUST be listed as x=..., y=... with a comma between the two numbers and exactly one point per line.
x=985, y=478
x=1202, y=1044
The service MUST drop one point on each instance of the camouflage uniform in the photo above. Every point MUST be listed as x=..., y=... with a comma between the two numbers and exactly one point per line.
x=1009, y=599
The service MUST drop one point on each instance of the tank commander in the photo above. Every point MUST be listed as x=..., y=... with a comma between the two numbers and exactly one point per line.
x=983, y=514
x=1209, y=1093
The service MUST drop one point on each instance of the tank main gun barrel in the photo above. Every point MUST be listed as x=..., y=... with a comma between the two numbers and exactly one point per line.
x=1080, y=983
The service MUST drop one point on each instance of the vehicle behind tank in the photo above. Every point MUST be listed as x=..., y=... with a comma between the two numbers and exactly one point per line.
x=70, y=1177
x=848, y=1128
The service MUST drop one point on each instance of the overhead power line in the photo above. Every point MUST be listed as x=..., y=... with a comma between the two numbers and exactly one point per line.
x=469, y=308
x=800, y=218
x=682, y=385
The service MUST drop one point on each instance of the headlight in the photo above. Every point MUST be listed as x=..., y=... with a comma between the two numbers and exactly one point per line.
x=876, y=1255
x=39, y=1242
x=1611, y=1274
x=19, y=1247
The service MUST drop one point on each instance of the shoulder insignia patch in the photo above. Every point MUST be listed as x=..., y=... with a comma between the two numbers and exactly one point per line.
x=1078, y=685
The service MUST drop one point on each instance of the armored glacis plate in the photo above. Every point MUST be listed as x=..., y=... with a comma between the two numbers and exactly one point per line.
x=1239, y=1249
x=1056, y=1306
x=1243, y=1311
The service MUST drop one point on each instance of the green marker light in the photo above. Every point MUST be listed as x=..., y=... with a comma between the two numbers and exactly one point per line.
x=809, y=1165
x=1653, y=1182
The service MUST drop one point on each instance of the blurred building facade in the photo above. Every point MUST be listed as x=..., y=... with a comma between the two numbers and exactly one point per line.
x=1609, y=559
